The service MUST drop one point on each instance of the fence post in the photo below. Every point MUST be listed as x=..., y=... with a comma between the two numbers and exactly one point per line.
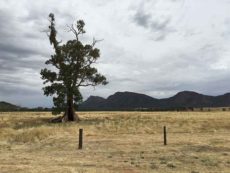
x=165, y=136
x=80, y=139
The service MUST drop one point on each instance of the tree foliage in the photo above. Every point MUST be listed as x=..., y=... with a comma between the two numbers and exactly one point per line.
x=73, y=62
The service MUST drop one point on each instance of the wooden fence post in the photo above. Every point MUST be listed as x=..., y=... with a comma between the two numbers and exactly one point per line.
x=80, y=139
x=165, y=136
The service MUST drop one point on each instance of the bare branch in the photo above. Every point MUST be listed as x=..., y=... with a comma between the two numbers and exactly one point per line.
x=99, y=40
x=81, y=81
x=73, y=30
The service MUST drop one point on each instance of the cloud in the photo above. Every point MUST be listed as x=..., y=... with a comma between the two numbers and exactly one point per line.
x=147, y=20
x=159, y=25
x=153, y=47
x=142, y=18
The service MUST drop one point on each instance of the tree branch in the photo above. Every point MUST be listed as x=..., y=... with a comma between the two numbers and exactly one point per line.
x=73, y=30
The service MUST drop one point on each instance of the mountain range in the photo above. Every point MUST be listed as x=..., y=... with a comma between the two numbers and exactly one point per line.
x=130, y=101
x=136, y=101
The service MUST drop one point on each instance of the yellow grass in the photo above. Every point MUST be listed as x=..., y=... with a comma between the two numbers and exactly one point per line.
x=126, y=142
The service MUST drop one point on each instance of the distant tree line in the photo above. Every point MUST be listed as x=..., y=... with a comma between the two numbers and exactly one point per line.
x=176, y=109
x=37, y=109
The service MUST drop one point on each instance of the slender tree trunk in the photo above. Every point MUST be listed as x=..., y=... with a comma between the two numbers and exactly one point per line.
x=70, y=114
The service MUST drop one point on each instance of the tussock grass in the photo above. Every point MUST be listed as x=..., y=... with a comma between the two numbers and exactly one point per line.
x=128, y=142
x=31, y=134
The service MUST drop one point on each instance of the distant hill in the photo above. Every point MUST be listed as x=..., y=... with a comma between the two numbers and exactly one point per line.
x=130, y=101
x=136, y=101
x=5, y=106
x=118, y=101
x=92, y=101
x=8, y=106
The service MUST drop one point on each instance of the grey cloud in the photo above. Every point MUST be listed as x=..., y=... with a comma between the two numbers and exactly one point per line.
x=17, y=49
x=19, y=35
x=22, y=55
x=11, y=63
x=142, y=18
x=161, y=37
x=12, y=40
x=131, y=62
x=158, y=25
x=12, y=89
x=18, y=57
x=216, y=86
x=9, y=80
x=24, y=96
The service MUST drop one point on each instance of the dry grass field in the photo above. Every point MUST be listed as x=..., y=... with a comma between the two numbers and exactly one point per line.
x=121, y=142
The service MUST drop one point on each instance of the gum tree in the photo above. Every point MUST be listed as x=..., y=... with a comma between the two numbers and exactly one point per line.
x=73, y=68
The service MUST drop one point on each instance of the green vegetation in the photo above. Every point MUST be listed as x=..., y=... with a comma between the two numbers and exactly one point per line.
x=73, y=63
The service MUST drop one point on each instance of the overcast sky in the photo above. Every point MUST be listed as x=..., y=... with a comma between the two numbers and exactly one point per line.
x=153, y=47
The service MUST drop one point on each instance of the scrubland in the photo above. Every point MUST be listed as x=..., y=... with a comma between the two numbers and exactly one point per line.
x=123, y=142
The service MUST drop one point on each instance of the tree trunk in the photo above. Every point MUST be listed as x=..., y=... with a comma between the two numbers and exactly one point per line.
x=70, y=114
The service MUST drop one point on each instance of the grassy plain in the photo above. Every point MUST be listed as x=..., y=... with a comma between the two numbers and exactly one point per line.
x=121, y=142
